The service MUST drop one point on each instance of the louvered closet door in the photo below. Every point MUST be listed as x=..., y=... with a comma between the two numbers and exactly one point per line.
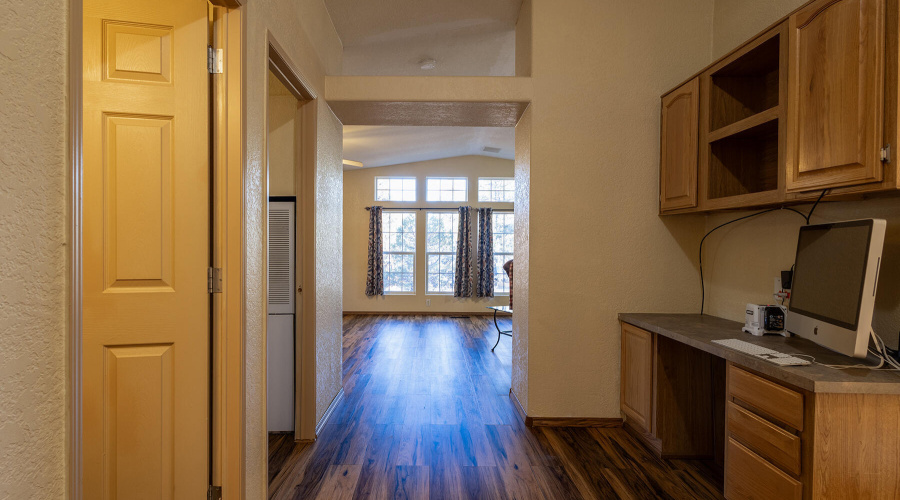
x=281, y=257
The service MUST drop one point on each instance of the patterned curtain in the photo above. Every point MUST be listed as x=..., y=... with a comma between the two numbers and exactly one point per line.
x=485, y=286
x=462, y=284
x=375, y=273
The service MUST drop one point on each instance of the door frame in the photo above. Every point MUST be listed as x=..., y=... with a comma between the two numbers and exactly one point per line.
x=287, y=73
x=227, y=415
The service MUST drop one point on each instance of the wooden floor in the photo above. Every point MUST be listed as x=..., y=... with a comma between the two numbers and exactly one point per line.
x=427, y=414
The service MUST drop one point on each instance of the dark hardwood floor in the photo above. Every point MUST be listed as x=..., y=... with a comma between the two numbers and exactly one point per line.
x=426, y=414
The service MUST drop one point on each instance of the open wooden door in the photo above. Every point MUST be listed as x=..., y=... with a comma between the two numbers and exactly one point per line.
x=146, y=232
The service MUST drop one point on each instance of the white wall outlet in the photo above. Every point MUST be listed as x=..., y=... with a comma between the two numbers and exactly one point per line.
x=428, y=301
x=777, y=284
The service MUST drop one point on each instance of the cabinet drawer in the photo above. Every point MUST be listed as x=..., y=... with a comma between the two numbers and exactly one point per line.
x=772, y=399
x=773, y=443
x=747, y=475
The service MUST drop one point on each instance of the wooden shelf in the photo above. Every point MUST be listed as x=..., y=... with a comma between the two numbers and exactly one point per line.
x=745, y=124
x=744, y=162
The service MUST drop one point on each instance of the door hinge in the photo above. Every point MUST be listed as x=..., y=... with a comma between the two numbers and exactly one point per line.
x=214, y=280
x=214, y=493
x=886, y=154
x=215, y=60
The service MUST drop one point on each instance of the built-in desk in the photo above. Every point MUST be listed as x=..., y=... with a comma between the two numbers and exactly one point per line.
x=798, y=432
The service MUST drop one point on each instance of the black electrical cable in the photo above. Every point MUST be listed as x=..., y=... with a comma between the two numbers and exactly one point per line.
x=806, y=217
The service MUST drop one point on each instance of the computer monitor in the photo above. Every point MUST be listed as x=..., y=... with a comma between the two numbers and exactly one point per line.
x=835, y=277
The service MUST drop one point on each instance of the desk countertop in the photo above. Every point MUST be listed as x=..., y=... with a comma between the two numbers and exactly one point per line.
x=699, y=331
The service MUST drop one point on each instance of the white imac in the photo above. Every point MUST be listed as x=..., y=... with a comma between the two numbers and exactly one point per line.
x=833, y=289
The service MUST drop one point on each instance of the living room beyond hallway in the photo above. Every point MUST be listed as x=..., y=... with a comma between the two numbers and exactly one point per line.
x=426, y=413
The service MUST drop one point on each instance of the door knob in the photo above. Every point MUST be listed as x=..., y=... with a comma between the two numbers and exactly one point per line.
x=299, y=289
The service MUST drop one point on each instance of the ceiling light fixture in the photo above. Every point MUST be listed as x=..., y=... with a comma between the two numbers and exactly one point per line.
x=427, y=63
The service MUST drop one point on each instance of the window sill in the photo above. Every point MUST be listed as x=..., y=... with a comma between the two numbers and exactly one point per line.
x=400, y=293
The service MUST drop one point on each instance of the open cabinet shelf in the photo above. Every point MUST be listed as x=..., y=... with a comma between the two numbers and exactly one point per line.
x=746, y=86
x=745, y=162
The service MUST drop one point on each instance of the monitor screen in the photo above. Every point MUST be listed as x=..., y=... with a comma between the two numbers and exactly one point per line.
x=830, y=271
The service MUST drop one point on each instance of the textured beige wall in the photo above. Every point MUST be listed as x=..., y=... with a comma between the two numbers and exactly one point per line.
x=742, y=260
x=523, y=40
x=359, y=192
x=329, y=249
x=521, y=258
x=735, y=21
x=282, y=160
x=305, y=32
x=32, y=249
x=597, y=246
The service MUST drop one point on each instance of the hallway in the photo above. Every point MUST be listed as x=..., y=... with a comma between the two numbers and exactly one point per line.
x=427, y=414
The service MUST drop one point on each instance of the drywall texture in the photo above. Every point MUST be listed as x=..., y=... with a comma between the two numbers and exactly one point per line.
x=596, y=245
x=32, y=249
x=735, y=21
x=280, y=141
x=521, y=258
x=523, y=40
x=314, y=49
x=359, y=192
x=329, y=248
x=742, y=261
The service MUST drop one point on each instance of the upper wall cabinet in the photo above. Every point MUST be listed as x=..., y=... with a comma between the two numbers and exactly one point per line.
x=809, y=104
x=742, y=124
x=835, y=102
x=678, y=148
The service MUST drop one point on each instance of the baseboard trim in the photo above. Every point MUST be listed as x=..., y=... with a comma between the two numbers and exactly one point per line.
x=521, y=411
x=562, y=421
x=576, y=422
x=334, y=402
x=416, y=313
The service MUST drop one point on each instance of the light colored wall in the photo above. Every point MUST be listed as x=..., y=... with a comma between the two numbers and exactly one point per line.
x=741, y=261
x=735, y=21
x=33, y=42
x=305, y=32
x=521, y=257
x=282, y=135
x=596, y=245
x=359, y=192
x=523, y=40
x=328, y=258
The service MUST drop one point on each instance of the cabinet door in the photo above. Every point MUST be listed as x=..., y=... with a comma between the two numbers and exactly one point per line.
x=678, y=148
x=637, y=375
x=835, y=96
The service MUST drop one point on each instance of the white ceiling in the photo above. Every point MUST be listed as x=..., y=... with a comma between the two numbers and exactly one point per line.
x=377, y=146
x=391, y=37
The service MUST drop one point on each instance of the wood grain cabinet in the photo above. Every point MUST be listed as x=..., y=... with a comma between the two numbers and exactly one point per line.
x=637, y=376
x=836, y=94
x=678, y=147
x=809, y=104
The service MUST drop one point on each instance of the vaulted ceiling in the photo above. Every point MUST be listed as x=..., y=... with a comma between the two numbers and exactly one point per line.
x=377, y=146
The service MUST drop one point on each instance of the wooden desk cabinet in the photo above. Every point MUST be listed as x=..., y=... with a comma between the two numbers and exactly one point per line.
x=770, y=439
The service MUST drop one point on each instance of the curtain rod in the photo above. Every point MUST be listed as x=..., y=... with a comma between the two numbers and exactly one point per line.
x=439, y=208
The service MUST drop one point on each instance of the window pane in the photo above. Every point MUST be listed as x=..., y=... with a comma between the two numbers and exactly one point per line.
x=497, y=190
x=447, y=189
x=395, y=189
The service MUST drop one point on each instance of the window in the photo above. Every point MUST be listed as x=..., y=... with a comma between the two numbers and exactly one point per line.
x=501, y=189
x=441, y=230
x=503, y=249
x=395, y=189
x=446, y=189
x=398, y=231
